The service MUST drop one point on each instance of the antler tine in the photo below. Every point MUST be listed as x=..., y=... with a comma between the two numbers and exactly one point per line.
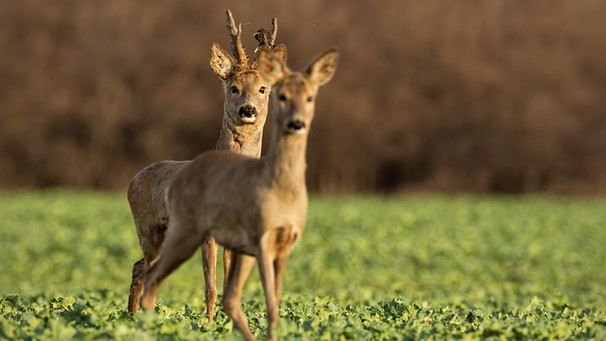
x=236, y=39
x=274, y=31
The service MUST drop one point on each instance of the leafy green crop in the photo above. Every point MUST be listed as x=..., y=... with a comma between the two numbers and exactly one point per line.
x=376, y=268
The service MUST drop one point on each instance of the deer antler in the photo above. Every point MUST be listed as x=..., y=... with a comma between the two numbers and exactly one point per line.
x=236, y=40
x=274, y=31
x=265, y=38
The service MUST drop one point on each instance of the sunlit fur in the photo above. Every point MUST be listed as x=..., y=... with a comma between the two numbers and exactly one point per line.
x=255, y=207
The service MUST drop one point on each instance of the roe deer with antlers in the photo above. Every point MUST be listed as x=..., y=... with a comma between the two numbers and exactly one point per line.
x=255, y=207
x=244, y=115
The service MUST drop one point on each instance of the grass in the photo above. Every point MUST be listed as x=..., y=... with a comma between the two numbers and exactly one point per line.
x=380, y=268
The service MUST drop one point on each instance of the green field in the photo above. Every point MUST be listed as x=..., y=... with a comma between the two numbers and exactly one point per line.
x=378, y=268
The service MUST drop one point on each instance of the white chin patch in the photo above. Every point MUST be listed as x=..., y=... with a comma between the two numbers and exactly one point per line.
x=299, y=131
x=248, y=120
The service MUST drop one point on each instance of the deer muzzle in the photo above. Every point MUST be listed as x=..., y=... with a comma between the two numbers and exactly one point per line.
x=295, y=127
x=248, y=113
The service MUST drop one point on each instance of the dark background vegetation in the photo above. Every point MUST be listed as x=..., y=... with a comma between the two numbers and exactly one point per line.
x=430, y=95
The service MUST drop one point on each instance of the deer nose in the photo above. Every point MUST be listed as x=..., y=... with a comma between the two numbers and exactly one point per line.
x=295, y=125
x=248, y=111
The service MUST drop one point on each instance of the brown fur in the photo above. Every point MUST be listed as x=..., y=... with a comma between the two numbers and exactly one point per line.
x=244, y=87
x=255, y=207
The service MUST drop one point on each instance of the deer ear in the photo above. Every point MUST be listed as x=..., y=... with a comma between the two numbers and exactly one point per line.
x=321, y=70
x=281, y=51
x=221, y=61
x=271, y=66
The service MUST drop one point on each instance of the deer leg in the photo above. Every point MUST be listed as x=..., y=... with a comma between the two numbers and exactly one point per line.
x=136, y=286
x=179, y=246
x=226, y=265
x=240, y=269
x=209, y=263
x=151, y=240
x=280, y=265
x=268, y=278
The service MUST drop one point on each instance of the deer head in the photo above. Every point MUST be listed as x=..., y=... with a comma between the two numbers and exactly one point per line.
x=295, y=92
x=246, y=92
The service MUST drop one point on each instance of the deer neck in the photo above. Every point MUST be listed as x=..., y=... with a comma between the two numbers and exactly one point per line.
x=245, y=139
x=285, y=161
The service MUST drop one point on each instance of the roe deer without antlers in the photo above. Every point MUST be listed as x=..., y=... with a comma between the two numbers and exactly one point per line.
x=255, y=207
x=244, y=115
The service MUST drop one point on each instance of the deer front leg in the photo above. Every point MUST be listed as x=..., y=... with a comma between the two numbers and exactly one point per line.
x=226, y=266
x=209, y=263
x=268, y=278
x=275, y=248
x=280, y=265
x=240, y=269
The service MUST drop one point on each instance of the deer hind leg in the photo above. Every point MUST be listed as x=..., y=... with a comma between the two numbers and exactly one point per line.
x=240, y=269
x=136, y=286
x=151, y=241
x=181, y=243
x=209, y=264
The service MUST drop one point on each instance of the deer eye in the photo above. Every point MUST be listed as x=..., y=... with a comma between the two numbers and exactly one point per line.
x=282, y=98
x=262, y=89
x=234, y=89
x=310, y=99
